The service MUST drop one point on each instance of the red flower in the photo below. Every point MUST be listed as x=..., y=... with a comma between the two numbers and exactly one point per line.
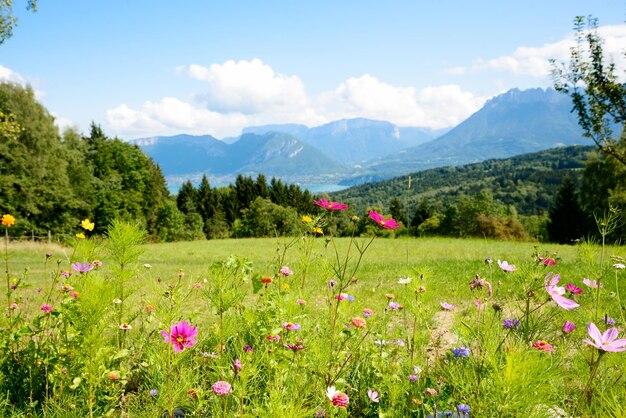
x=385, y=223
x=323, y=203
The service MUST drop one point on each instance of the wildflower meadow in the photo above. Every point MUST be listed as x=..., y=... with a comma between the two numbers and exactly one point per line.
x=311, y=326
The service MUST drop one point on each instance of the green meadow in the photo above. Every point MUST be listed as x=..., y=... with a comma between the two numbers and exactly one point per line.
x=365, y=326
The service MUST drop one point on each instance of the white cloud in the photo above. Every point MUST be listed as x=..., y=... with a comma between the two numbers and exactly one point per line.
x=248, y=87
x=247, y=93
x=534, y=61
x=171, y=116
x=7, y=74
x=366, y=96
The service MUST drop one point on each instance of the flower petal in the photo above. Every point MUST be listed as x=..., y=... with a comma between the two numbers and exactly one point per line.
x=594, y=333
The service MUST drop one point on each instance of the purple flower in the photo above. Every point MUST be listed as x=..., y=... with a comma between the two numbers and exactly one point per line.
x=295, y=347
x=248, y=349
x=461, y=352
x=221, y=388
x=557, y=292
x=511, y=324
x=82, y=267
x=480, y=283
x=568, y=327
x=412, y=377
x=237, y=365
x=506, y=267
x=446, y=306
x=153, y=392
x=608, y=320
x=286, y=271
x=463, y=408
x=367, y=312
x=394, y=305
x=182, y=336
x=606, y=341
x=46, y=308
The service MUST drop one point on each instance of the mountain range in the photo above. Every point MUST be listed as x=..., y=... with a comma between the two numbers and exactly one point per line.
x=356, y=151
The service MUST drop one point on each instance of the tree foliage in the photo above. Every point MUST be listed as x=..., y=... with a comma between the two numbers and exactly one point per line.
x=599, y=98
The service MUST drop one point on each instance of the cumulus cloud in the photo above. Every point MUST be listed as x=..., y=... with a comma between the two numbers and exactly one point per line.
x=7, y=74
x=170, y=116
x=245, y=93
x=248, y=87
x=366, y=96
x=534, y=61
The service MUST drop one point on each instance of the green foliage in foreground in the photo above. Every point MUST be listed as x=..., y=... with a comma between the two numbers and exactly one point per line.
x=283, y=321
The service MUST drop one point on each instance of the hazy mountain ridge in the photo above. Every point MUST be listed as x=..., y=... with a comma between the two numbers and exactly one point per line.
x=355, y=151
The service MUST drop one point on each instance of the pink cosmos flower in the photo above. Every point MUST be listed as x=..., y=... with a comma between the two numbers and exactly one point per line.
x=338, y=398
x=606, y=341
x=575, y=290
x=221, y=388
x=82, y=267
x=591, y=283
x=182, y=336
x=543, y=346
x=549, y=262
x=323, y=203
x=291, y=326
x=557, y=292
x=46, y=308
x=447, y=306
x=569, y=327
x=373, y=395
x=506, y=267
x=385, y=223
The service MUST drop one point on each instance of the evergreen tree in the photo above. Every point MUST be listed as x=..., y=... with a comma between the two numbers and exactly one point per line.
x=566, y=219
x=395, y=208
x=187, y=198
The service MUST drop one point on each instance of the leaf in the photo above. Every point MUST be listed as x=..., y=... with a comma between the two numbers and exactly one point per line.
x=256, y=283
x=75, y=383
x=122, y=353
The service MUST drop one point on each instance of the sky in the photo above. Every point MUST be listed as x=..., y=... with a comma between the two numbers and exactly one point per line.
x=145, y=68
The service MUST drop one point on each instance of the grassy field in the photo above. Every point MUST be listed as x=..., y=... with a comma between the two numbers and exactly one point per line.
x=100, y=352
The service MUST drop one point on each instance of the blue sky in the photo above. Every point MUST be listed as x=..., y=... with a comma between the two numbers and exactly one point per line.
x=143, y=68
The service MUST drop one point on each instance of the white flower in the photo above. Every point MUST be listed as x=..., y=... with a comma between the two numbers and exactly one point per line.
x=331, y=392
x=619, y=266
x=404, y=280
x=148, y=266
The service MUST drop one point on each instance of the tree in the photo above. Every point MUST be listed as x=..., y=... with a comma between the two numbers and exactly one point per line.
x=187, y=198
x=8, y=21
x=395, y=209
x=599, y=98
x=566, y=219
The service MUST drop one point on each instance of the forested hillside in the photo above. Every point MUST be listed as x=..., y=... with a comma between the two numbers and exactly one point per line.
x=529, y=182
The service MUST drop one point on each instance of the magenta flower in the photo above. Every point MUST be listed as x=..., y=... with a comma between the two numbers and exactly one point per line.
x=385, y=223
x=479, y=282
x=182, y=336
x=575, y=290
x=82, y=267
x=549, y=262
x=569, y=327
x=606, y=341
x=237, y=365
x=221, y=388
x=557, y=292
x=295, y=347
x=273, y=338
x=46, y=308
x=367, y=312
x=373, y=395
x=323, y=203
x=447, y=306
x=506, y=267
x=65, y=273
x=337, y=397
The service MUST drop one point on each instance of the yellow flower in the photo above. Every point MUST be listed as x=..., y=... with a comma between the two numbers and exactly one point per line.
x=80, y=235
x=318, y=230
x=87, y=224
x=307, y=219
x=8, y=220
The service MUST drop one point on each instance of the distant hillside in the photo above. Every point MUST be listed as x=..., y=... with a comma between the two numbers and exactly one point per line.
x=274, y=154
x=529, y=182
x=354, y=141
x=516, y=122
